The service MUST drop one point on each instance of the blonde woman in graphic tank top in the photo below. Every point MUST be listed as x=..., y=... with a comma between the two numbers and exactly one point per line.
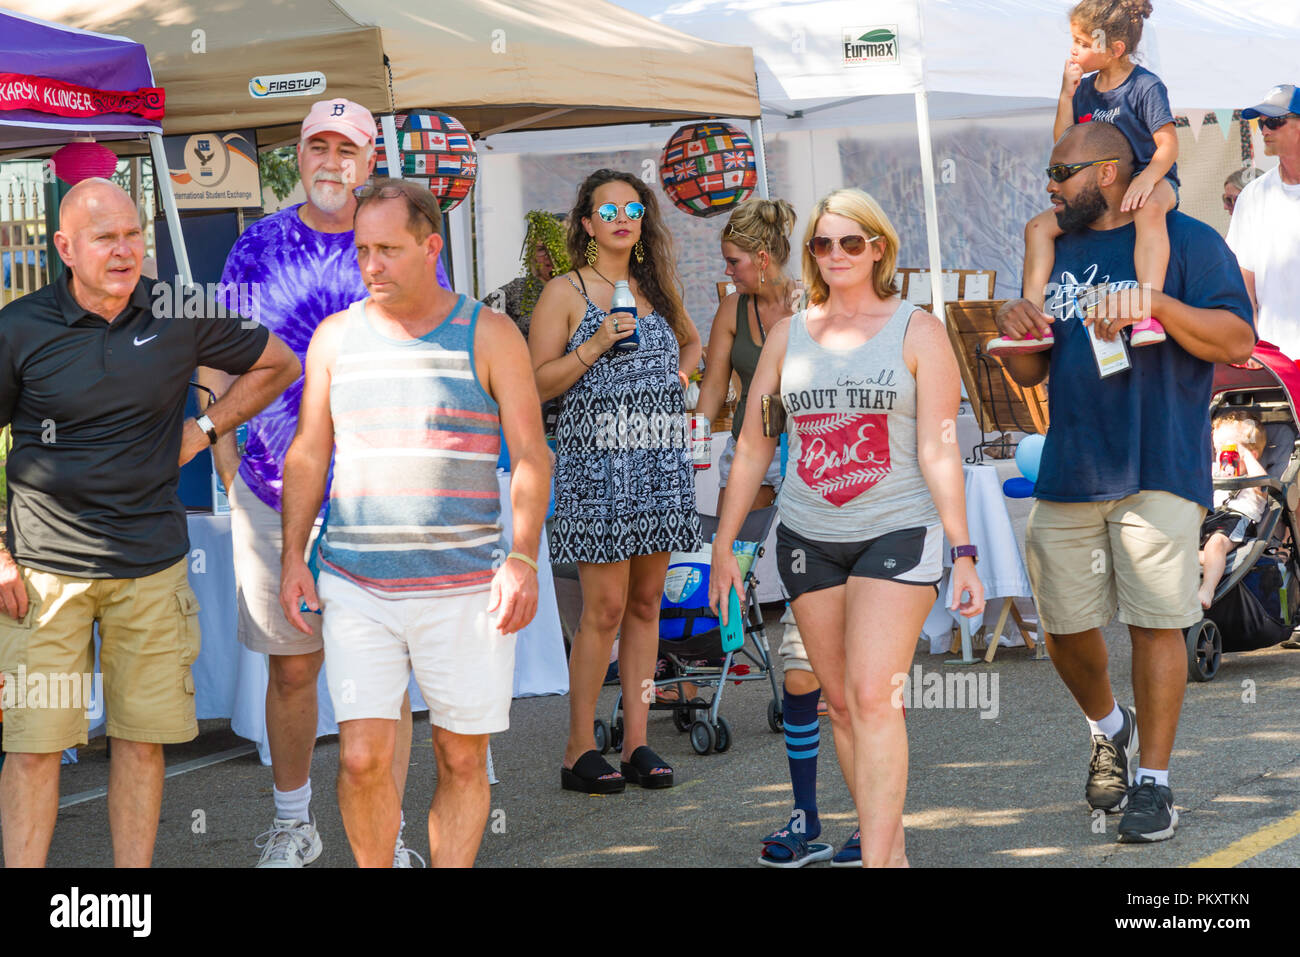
x=873, y=484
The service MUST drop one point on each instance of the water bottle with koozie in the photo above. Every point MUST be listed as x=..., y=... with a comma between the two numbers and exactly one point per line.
x=624, y=304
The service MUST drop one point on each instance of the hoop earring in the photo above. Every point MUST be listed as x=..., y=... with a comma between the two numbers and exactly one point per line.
x=639, y=251
x=593, y=252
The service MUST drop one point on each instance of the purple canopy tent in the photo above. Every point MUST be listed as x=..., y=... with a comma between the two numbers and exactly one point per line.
x=57, y=81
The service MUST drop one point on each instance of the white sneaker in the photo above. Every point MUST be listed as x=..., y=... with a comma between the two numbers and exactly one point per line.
x=289, y=843
x=402, y=855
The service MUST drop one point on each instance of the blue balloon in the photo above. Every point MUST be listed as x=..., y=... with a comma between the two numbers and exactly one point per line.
x=1029, y=453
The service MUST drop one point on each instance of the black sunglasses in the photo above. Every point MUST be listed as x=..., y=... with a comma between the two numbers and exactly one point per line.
x=1275, y=122
x=1060, y=172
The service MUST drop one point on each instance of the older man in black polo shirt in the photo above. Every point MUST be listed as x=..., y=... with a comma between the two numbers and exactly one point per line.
x=93, y=380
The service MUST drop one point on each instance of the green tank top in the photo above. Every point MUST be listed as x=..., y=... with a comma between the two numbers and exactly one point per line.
x=744, y=358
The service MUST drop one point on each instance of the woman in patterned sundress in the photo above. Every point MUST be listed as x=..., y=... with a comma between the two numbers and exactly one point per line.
x=624, y=482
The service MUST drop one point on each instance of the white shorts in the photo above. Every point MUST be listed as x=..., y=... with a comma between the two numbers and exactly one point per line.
x=772, y=478
x=464, y=666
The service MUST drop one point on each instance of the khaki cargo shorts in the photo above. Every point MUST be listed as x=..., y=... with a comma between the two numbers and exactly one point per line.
x=1137, y=554
x=149, y=638
x=257, y=538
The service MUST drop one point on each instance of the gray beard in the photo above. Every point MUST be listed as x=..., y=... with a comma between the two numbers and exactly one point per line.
x=328, y=202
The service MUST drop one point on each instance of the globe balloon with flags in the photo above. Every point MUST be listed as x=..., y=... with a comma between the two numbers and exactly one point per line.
x=435, y=151
x=707, y=168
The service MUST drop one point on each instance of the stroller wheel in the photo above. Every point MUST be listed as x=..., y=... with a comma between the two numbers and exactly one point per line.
x=1204, y=650
x=616, y=734
x=602, y=735
x=703, y=737
x=722, y=735
x=775, y=719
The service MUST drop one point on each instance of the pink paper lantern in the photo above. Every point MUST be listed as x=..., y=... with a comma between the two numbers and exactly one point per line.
x=82, y=160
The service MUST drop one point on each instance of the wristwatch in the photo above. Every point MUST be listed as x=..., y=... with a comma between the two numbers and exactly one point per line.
x=204, y=423
x=965, y=551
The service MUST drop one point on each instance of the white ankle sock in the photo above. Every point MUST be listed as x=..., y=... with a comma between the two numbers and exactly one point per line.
x=293, y=805
x=1110, y=725
x=1161, y=777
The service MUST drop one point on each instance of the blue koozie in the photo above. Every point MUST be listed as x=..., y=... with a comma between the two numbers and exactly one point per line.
x=623, y=304
x=733, y=632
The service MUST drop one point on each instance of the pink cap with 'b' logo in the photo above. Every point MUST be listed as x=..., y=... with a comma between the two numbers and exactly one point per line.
x=340, y=116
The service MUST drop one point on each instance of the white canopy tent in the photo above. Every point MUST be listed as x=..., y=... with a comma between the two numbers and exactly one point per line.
x=976, y=58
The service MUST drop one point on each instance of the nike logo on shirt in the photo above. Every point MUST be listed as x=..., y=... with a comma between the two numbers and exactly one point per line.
x=139, y=342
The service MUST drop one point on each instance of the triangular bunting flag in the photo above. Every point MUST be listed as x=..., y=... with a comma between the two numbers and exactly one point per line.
x=1194, y=120
x=1225, y=121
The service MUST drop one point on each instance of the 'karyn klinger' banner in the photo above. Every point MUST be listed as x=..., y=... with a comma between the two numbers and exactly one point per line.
x=21, y=92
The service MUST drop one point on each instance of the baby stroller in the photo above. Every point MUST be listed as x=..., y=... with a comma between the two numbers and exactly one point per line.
x=1256, y=601
x=691, y=641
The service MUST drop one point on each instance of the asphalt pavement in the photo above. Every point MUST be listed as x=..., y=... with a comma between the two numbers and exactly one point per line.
x=1005, y=791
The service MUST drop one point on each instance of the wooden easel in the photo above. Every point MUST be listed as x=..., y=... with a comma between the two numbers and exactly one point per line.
x=1000, y=404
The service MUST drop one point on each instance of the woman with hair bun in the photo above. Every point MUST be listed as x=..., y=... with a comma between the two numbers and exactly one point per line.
x=624, y=480
x=756, y=248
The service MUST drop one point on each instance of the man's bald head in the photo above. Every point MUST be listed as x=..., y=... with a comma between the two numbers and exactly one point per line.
x=89, y=199
x=102, y=244
x=1096, y=140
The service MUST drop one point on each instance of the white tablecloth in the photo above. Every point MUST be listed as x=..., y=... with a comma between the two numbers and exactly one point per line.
x=1001, y=568
x=706, y=501
x=230, y=681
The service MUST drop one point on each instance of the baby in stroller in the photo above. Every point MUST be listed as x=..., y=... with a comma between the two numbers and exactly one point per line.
x=1239, y=442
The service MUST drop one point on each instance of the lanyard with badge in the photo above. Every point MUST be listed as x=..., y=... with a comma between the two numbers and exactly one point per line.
x=1111, y=357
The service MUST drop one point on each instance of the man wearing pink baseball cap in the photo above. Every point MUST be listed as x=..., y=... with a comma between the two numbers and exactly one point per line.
x=301, y=264
x=1265, y=229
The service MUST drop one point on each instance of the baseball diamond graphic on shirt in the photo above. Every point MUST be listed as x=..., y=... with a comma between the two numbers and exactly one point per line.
x=843, y=454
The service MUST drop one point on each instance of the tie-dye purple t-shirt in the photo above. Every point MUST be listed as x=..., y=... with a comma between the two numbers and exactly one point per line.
x=302, y=276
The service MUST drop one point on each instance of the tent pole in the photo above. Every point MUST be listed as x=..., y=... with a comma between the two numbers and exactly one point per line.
x=931, y=203
x=760, y=155
x=162, y=176
x=388, y=125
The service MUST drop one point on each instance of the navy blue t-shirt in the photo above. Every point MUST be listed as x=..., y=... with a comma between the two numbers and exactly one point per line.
x=1139, y=106
x=1147, y=428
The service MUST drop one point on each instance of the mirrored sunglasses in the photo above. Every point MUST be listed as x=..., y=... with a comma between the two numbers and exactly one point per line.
x=1063, y=171
x=1275, y=122
x=609, y=211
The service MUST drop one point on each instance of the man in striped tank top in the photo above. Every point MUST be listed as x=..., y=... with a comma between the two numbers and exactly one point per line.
x=409, y=391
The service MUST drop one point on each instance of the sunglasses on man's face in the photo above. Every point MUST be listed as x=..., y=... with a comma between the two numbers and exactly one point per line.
x=821, y=246
x=1275, y=122
x=609, y=211
x=1060, y=172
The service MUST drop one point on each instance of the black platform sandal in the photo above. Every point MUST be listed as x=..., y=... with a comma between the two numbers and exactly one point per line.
x=648, y=769
x=592, y=774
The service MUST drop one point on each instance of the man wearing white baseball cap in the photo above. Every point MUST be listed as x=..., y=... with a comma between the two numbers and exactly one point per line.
x=301, y=265
x=1265, y=229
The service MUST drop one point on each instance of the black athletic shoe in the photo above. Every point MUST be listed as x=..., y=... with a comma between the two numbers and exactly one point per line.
x=1113, y=764
x=1151, y=815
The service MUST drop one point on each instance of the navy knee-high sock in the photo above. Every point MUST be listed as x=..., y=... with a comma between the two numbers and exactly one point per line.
x=802, y=742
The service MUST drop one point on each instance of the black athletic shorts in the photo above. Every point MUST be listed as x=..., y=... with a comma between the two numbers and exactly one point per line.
x=1234, y=526
x=913, y=556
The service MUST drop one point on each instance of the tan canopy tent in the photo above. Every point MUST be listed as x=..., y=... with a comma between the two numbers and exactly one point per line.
x=494, y=65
